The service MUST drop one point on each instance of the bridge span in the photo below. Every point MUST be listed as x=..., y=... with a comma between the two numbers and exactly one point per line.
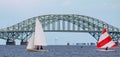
x=58, y=23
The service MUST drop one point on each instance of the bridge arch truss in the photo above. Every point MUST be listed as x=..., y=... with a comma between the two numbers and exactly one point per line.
x=59, y=23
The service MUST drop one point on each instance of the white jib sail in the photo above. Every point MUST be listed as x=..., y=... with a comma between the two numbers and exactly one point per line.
x=39, y=34
x=30, y=44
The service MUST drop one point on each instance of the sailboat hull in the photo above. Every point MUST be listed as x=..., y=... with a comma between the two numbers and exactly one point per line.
x=106, y=50
x=33, y=50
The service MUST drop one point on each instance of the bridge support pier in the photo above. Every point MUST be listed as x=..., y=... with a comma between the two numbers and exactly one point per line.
x=10, y=42
x=23, y=43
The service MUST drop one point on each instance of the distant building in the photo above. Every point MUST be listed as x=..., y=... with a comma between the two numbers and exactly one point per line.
x=92, y=44
x=81, y=44
x=68, y=44
x=86, y=44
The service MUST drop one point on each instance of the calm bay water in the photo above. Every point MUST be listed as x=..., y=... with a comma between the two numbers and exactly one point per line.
x=56, y=51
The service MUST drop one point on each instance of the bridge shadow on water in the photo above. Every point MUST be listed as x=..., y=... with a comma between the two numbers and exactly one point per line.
x=56, y=51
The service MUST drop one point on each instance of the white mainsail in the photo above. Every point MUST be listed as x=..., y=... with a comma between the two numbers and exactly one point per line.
x=39, y=34
x=30, y=44
x=37, y=37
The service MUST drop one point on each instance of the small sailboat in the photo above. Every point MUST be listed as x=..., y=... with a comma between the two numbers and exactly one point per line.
x=105, y=42
x=37, y=40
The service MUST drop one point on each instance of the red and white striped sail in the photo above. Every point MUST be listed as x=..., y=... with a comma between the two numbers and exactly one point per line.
x=106, y=40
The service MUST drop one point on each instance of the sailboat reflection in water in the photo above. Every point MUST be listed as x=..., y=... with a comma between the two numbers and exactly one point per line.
x=37, y=40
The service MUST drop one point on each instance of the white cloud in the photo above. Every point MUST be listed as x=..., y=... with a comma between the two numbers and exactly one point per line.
x=66, y=3
x=105, y=4
x=116, y=7
x=20, y=3
x=112, y=6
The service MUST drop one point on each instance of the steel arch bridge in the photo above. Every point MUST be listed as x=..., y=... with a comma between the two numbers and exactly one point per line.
x=59, y=23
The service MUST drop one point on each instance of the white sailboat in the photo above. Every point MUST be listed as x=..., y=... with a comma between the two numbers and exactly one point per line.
x=37, y=40
x=106, y=42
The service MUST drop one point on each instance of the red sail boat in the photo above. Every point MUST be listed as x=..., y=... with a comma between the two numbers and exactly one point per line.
x=106, y=42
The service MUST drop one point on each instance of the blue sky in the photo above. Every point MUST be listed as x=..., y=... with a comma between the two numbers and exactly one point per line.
x=14, y=11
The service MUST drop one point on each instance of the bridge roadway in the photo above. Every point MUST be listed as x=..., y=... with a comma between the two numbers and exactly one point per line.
x=24, y=42
x=58, y=31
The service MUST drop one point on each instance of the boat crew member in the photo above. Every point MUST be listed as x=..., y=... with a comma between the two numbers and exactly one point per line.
x=106, y=48
x=37, y=47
